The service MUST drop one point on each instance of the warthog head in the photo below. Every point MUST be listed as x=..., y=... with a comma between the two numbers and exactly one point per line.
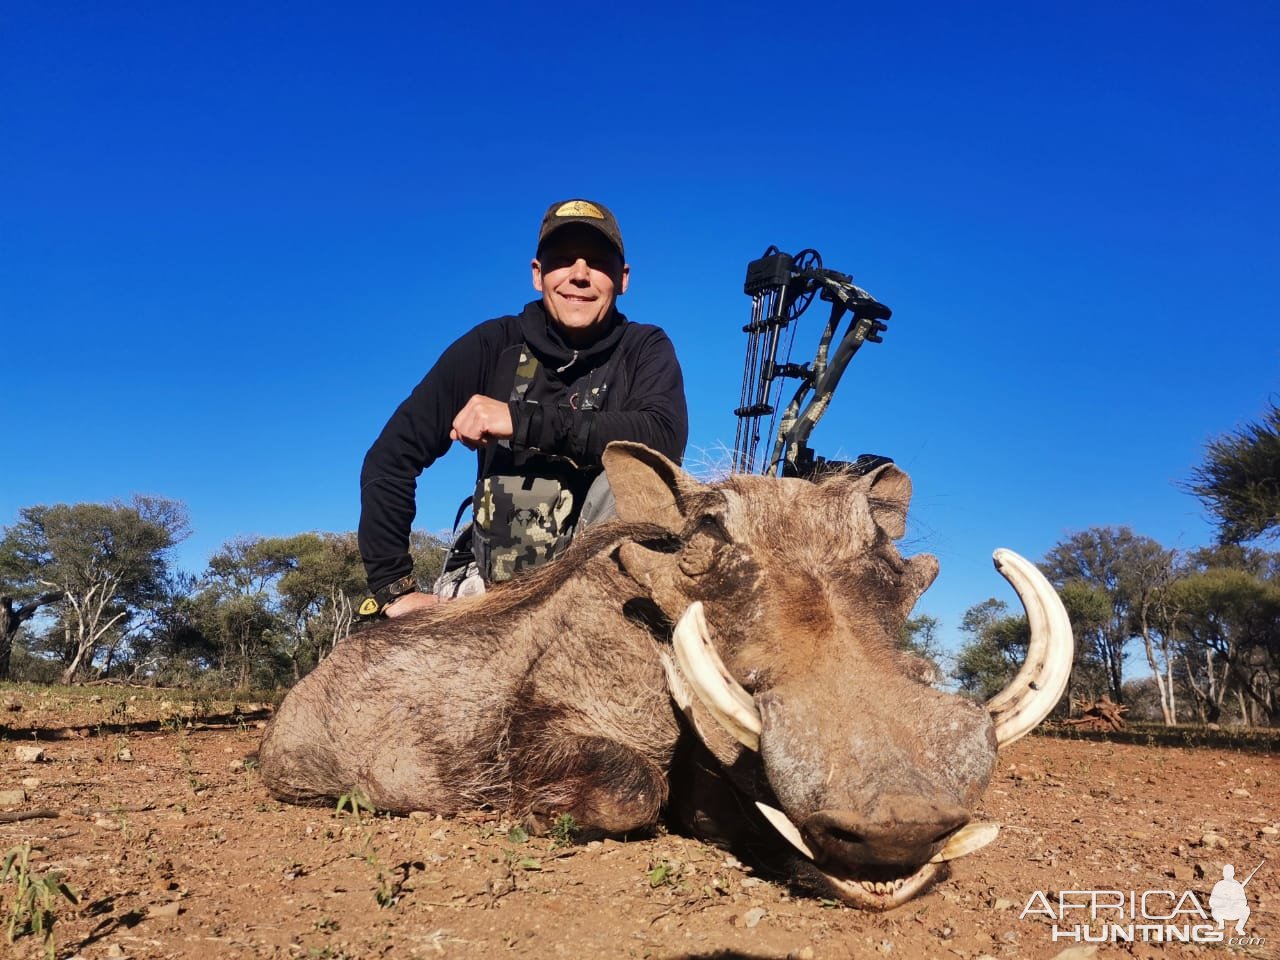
x=788, y=596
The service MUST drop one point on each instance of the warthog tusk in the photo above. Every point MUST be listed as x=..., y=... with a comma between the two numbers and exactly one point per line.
x=725, y=699
x=966, y=840
x=1033, y=693
x=782, y=823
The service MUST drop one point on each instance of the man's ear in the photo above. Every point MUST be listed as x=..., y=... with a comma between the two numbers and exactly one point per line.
x=888, y=496
x=536, y=267
x=647, y=486
x=626, y=278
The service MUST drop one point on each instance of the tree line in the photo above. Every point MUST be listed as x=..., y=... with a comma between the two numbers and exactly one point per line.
x=89, y=591
x=92, y=591
x=1202, y=626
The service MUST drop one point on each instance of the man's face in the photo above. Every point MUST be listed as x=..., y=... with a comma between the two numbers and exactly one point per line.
x=579, y=274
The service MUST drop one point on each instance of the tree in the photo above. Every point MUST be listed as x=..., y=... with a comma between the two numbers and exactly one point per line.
x=237, y=606
x=1128, y=569
x=1229, y=621
x=1239, y=480
x=321, y=590
x=995, y=650
x=14, y=612
x=1089, y=609
x=108, y=562
x=919, y=638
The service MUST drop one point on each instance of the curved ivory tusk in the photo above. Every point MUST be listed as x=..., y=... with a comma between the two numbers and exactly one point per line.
x=966, y=840
x=1019, y=707
x=731, y=706
x=782, y=823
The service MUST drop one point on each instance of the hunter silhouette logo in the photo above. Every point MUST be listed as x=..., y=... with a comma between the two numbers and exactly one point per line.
x=1227, y=901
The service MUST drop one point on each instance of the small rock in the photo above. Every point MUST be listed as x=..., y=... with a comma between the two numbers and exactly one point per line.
x=96, y=698
x=124, y=755
x=11, y=798
x=804, y=953
x=115, y=951
x=102, y=823
x=1076, y=953
x=235, y=765
x=885, y=946
x=13, y=706
x=1213, y=841
x=1003, y=904
x=164, y=910
x=1268, y=831
x=753, y=916
x=31, y=783
x=1241, y=793
x=27, y=754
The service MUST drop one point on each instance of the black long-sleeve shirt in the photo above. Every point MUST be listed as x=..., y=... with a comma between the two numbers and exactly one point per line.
x=644, y=402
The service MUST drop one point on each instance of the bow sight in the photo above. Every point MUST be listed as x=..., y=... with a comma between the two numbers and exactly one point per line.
x=781, y=288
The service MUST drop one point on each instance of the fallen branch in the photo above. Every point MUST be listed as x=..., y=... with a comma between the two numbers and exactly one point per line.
x=29, y=815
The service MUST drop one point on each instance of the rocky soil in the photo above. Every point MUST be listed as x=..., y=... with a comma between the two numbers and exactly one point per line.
x=148, y=807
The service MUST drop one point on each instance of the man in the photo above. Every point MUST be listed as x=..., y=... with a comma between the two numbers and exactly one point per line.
x=538, y=396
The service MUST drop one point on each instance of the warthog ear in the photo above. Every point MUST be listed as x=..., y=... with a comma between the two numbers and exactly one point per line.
x=647, y=486
x=888, y=496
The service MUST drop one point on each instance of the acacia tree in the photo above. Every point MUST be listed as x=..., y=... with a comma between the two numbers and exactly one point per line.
x=1239, y=481
x=15, y=610
x=1129, y=570
x=321, y=589
x=107, y=561
x=1227, y=619
x=996, y=648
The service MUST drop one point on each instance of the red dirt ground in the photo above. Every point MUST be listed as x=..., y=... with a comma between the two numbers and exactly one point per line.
x=176, y=850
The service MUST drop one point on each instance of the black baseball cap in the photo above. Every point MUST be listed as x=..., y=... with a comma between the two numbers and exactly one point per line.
x=581, y=211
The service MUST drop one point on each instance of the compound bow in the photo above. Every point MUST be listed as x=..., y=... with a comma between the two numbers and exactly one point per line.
x=781, y=288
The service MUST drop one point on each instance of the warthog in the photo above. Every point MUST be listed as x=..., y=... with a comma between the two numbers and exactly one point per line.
x=723, y=650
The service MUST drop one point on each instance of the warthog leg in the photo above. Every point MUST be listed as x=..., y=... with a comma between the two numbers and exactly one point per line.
x=605, y=786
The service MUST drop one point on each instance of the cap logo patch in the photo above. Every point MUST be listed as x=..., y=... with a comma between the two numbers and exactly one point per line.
x=579, y=208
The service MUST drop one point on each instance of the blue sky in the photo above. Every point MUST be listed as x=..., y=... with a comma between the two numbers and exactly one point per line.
x=232, y=239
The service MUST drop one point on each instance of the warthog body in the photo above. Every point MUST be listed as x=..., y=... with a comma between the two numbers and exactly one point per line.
x=559, y=692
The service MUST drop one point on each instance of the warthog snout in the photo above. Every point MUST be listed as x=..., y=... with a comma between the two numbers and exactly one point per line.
x=900, y=831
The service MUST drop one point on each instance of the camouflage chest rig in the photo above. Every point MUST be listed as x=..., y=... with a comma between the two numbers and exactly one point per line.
x=527, y=502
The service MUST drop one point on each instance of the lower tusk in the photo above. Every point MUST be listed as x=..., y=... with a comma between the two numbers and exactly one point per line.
x=782, y=823
x=966, y=840
x=725, y=699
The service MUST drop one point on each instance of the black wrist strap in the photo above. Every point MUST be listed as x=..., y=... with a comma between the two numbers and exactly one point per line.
x=394, y=590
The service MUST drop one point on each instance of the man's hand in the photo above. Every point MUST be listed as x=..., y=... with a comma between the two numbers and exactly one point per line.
x=482, y=421
x=410, y=603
